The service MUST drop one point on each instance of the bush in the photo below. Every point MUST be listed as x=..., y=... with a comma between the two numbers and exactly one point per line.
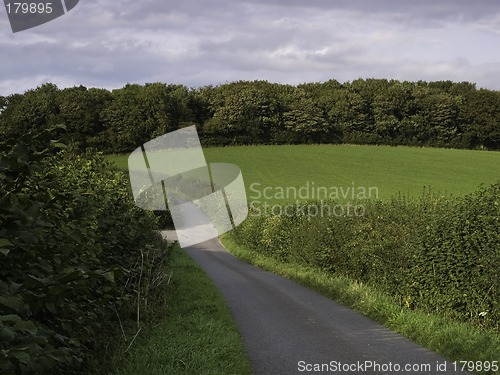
x=456, y=267
x=75, y=254
x=434, y=253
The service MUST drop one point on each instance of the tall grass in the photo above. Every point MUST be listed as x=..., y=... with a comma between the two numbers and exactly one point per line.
x=196, y=334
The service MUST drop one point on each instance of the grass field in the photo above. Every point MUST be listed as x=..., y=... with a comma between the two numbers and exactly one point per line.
x=391, y=170
x=339, y=169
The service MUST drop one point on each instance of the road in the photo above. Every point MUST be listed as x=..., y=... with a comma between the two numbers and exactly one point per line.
x=289, y=329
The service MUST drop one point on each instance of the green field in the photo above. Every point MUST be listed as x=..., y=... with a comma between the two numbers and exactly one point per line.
x=377, y=252
x=340, y=169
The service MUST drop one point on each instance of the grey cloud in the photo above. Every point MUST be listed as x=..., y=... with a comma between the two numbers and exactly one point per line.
x=198, y=42
x=422, y=9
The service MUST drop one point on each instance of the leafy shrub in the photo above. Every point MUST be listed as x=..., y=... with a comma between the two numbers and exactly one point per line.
x=434, y=253
x=75, y=254
x=456, y=269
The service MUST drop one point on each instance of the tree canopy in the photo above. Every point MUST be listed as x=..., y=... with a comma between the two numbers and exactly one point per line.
x=364, y=111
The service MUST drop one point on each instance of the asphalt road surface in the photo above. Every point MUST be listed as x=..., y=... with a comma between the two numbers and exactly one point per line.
x=289, y=329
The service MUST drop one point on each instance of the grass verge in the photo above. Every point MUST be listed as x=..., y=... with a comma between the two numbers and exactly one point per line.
x=455, y=341
x=196, y=336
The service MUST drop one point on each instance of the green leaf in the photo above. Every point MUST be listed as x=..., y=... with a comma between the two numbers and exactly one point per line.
x=5, y=243
x=26, y=325
x=73, y=275
x=58, y=144
x=60, y=339
x=74, y=341
x=4, y=251
x=110, y=276
x=51, y=307
x=13, y=319
x=27, y=237
x=7, y=334
x=35, y=282
x=21, y=356
x=14, y=303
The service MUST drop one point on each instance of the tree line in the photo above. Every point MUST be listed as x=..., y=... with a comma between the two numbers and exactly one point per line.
x=364, y=111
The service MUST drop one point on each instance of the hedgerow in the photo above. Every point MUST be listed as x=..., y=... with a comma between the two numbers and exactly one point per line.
x=435, y=253
x=76, y=256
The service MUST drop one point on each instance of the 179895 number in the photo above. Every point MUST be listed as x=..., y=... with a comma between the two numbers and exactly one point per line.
x=33, y=8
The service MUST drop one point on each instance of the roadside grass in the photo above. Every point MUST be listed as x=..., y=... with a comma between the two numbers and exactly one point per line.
x=392, y=170
x=196, y=335
x=453, y=340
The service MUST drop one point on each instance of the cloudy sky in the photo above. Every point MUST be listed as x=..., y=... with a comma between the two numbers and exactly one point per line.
x=107, y=44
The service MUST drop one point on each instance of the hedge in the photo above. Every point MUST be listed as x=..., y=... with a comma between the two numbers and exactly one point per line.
x=75, y=256
x=435, y=253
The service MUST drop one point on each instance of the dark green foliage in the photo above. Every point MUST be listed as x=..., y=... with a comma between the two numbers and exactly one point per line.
x=80, y=110
x=73, y=251
x=243, y=113
x=456, y=266
x=434, y=253
x=35, y=109
x=132, y=117
x=371, y=111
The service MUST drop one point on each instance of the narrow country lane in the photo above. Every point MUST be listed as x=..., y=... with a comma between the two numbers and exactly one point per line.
x=289, y=329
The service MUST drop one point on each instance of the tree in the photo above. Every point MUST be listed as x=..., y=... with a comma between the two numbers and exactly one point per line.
x=80, y=110
x=35, y=109
x=379, y=111
x=242, y=113
x=441, y=111
x=392, y=107
x=353, y=116
x=484, y=119
x=305, y=121
x=137, y=114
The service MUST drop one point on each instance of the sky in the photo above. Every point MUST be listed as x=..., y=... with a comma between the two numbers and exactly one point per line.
x=107, y=44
